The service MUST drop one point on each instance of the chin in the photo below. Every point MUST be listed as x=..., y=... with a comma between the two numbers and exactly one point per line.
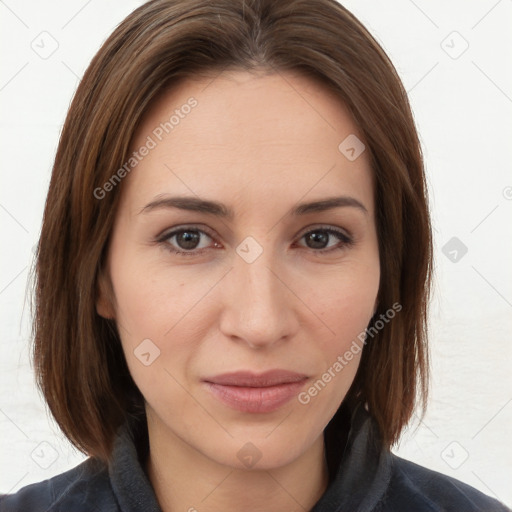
x=261, y=451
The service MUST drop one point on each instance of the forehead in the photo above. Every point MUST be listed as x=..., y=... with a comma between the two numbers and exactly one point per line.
x=272, y=132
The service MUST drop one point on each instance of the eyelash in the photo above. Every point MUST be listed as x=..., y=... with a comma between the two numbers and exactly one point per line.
x=346, y=241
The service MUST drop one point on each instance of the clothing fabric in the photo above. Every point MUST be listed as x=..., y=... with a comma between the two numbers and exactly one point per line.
x=363, y=478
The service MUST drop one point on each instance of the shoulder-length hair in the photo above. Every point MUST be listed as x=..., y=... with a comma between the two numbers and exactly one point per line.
x=79, y=363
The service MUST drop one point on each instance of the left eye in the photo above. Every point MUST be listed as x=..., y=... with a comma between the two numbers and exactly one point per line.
x=319, y=239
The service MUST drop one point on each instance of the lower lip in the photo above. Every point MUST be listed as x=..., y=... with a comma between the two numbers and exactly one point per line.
x=255, y=400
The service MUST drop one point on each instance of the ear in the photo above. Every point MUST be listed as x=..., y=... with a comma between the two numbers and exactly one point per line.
x=104, y=296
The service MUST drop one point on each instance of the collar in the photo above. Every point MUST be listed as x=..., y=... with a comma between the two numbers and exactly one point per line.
x=364, y=470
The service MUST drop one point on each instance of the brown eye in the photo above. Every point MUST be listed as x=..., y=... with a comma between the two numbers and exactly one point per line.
x=319, y=239
x=186, y=241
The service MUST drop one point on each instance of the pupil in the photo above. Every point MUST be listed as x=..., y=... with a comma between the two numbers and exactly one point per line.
x=319, y=239
x=188, y=239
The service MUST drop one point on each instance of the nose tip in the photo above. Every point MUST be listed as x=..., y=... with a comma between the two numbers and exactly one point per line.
x=257, y=308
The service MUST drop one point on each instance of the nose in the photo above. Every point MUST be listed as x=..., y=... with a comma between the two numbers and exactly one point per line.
x=259, y=308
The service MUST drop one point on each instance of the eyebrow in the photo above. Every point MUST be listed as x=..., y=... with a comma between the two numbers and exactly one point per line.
x=220, y=210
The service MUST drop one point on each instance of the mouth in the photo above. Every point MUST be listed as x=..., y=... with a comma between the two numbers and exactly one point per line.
x=256, y=393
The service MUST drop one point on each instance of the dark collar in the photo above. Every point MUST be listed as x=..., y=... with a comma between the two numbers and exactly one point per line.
x=359, y=469
x=364, y=469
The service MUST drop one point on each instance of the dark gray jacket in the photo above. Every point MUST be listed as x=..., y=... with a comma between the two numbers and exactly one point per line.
x=363, y=478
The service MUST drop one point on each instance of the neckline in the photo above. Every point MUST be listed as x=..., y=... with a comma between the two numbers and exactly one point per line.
x=359, y=469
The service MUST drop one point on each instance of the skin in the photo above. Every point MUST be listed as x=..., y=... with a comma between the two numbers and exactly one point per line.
x=260, y=144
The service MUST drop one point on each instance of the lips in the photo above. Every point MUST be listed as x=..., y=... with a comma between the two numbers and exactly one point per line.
x=255, y=393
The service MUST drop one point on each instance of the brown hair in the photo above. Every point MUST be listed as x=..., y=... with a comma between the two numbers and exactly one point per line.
x=79, y=362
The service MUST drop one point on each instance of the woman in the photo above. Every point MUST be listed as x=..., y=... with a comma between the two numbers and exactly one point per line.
x=234, y=270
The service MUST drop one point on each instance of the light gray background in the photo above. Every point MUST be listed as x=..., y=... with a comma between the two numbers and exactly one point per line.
x=462, y=101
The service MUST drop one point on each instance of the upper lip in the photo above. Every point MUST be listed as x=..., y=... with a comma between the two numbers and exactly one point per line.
x=260, y=380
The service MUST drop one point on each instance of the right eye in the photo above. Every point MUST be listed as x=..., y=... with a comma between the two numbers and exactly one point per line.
x=186, y=241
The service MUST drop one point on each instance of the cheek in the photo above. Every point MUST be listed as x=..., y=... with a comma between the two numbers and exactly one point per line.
x=157, y=318
x=350, y=311
x=346, y=301
x=346, y=305
x=150, y=302
x=347, y=308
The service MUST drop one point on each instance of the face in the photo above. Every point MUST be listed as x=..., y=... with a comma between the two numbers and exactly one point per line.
x=236, y=302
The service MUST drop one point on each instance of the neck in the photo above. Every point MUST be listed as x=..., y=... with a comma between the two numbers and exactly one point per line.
x=185, y=480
